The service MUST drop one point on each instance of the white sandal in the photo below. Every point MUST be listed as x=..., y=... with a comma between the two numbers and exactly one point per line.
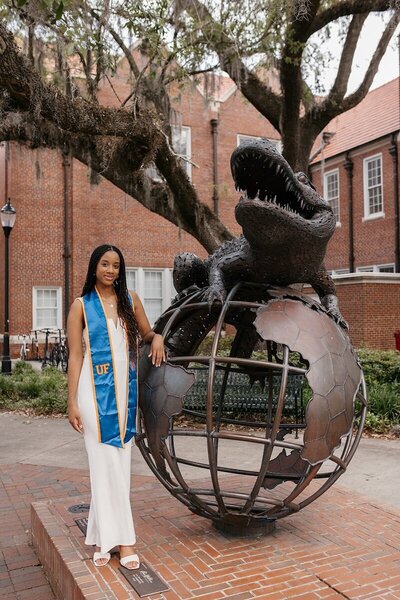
x=101, y=556
x=131, y=558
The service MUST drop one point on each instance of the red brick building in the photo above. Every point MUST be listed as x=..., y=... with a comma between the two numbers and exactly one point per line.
x=62, y=214
x=358, y=173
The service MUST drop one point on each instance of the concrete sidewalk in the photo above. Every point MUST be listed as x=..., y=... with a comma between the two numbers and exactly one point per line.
x=373, y=472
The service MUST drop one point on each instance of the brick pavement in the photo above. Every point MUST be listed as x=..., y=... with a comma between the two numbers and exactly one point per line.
x=341, y=546
x=21, y=575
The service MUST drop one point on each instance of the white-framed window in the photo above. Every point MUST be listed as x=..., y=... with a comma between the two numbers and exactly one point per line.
x=331, y=192
x=386, y=268
x=373, y=188
x=131, y=276
x=243, y=139
x=47, y=307
x=153, y=294
x=389, y=268
x=154, y=287
x=182, y=144
x=369, y=269
x=172, y=290
x=339, y=272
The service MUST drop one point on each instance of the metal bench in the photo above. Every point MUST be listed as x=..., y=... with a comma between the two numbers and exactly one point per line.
x=243, y=399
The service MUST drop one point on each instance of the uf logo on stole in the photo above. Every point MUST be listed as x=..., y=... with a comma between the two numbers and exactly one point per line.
x=102, y=369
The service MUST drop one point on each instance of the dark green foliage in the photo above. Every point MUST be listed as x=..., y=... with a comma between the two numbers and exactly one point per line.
x=380, y=366
x=224, y=345
x=384, y=400
x=26, y=389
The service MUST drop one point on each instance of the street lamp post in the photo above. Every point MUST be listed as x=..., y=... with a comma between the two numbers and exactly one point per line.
x=8, y=215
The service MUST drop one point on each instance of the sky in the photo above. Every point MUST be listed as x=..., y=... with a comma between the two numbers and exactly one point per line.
x=389, y=66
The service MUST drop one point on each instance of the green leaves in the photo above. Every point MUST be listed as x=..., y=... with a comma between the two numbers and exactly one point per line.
x=36, y=392
x=59, y=11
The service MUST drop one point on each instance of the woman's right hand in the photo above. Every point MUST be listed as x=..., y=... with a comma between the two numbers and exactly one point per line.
x=74, y=417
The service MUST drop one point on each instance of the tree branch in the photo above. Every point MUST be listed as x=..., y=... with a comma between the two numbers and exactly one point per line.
x=176, y=202
x=87, y=69
x=29, y=93
x=292, y=83
x=196, y=215
x=319, y=116
x=346, y=59
x=346, y=8
x=83, y=128
x=257, y=92
x=127, y=52
x=158, y=97
x=353, y=99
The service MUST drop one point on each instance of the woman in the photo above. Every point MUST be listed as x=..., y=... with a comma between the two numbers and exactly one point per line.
x=102, y=396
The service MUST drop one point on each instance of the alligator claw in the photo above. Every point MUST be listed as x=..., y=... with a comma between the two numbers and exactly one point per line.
x=182, y=294
x=330, y=302
x=337, y=316
x=213, y=294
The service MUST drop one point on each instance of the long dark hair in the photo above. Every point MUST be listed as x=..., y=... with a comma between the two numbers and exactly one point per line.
x=124, y=307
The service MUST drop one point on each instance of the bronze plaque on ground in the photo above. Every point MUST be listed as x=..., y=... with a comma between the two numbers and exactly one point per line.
x=82, y=524
x=144, y=580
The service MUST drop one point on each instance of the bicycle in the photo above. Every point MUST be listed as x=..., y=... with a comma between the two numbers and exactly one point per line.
x=24, y=349
x=35, y=354
x=46, y=360
x=59, y=353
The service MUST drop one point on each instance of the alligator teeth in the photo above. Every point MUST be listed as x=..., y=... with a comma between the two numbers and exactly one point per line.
x=255, y=178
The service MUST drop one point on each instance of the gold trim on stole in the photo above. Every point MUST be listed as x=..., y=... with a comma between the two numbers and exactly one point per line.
x=127, y=375
x=113, y=365
x=88, y=351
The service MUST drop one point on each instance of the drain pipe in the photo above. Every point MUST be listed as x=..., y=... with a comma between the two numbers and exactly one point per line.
x=214, y=133
x=66, y=164
x=348, y=165
x=6, y=166
x=395, y=157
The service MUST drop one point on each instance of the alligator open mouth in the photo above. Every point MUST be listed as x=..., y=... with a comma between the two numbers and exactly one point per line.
x=269, y=179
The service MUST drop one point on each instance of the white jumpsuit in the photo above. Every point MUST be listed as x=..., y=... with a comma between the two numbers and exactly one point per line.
x=110, y=521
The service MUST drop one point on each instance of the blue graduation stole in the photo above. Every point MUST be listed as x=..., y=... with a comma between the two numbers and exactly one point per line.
x=105, y=389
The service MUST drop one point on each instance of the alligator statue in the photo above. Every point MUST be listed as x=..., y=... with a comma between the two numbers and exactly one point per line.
x=286, y=228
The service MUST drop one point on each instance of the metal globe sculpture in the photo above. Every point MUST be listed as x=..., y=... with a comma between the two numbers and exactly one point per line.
x=290, y=386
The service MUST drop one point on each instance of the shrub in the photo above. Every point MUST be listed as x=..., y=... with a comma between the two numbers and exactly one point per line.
x=384, y=400
x=380, y=366
x=26, y=389
x=376, y=423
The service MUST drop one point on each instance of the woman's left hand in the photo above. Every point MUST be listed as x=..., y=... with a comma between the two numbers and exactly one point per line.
x=157, y=351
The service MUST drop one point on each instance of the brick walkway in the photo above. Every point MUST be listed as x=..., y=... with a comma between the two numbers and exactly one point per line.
x=341, y=546
x=21, y=575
